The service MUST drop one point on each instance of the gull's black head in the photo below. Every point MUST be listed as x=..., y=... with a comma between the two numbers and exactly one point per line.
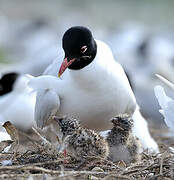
x=79, y=44
x=7, y=82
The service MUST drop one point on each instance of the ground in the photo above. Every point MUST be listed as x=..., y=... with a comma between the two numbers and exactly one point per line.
x=34, y=161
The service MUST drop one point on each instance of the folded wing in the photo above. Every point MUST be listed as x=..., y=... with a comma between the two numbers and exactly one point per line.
x=47, y=104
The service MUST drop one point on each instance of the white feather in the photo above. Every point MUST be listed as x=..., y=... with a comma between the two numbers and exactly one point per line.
x=161, y=96
x=44, y=82
x=167, y=82
x=47, y=104
x=167, y=105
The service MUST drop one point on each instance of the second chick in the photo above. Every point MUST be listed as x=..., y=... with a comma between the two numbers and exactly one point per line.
x=123, y=144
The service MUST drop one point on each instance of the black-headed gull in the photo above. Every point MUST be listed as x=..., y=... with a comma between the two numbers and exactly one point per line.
x=93, y=86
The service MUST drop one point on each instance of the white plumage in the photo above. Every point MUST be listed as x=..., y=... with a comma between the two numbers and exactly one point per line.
x=17, y=106
x=166, y=103
x=93, y=94
x=47, y=104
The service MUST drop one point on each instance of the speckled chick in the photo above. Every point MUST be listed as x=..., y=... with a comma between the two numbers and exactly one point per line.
x=122, y=144
x=81, y=142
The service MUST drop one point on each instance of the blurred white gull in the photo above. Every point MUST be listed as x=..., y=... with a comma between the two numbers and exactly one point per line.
x=166, y=103
x=93, y=89
x=129, y=37
x=160, y=52
x=157, y=56
x=17, y=101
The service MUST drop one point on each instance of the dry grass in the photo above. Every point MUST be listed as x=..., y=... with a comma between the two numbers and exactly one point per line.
x=33, y=161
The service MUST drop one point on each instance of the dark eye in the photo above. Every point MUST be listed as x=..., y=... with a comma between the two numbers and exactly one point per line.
x=83, y=49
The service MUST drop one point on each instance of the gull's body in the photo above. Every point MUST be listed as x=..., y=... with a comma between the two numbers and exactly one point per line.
x=93, y=94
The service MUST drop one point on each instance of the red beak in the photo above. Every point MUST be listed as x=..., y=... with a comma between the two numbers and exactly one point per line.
x=65, y=65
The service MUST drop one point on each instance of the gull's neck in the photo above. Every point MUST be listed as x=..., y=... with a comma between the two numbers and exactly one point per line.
x=97, y=69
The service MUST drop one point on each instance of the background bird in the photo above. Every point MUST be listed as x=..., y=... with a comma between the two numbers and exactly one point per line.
x=17, y=101
x=166, y=103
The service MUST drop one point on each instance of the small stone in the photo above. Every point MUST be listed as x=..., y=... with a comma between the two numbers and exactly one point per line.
x=92, y=177
x=6, y=162
x=97, y=169
x=122, y=164
x=150, y=175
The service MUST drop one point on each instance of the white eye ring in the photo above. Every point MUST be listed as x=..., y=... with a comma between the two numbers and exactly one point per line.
x=83, y=49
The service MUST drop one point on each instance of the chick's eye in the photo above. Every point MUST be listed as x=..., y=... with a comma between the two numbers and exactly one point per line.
x=83, y=49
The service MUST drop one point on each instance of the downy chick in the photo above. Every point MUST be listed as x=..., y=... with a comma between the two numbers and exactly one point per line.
x=122, y=144
x=81, y=142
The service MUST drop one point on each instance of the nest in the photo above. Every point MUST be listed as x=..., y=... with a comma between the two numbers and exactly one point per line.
x=39, y=162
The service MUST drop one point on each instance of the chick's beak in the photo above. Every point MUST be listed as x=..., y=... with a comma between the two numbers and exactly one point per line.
x=65, y=64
